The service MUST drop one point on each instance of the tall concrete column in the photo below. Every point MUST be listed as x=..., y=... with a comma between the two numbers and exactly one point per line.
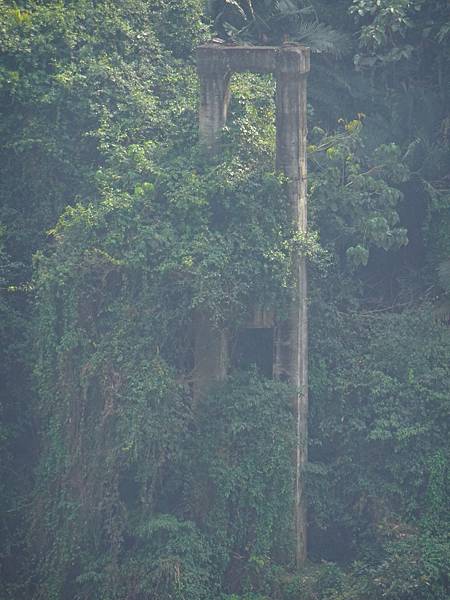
x=291, y=339
x=210, y=340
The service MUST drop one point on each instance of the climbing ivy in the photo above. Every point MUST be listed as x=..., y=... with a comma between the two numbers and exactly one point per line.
x=115, y=484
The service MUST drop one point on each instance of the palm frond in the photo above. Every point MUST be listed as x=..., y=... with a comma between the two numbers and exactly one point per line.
x=274, y=21
x=322, y=38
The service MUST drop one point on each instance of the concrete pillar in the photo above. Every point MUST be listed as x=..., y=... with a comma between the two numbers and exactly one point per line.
x=210, y=354
x=210, y=341
x=291, y=336
x=214, y=98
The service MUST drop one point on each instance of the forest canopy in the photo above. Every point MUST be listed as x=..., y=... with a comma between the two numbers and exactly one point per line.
x=115, y=228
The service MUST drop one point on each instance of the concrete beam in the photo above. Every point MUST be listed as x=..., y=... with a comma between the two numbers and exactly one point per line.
x=255, y=59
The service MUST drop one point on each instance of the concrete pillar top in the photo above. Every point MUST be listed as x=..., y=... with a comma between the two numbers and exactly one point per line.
x=288, y=59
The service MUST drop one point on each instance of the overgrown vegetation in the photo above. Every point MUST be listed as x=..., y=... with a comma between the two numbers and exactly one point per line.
x=115, y=228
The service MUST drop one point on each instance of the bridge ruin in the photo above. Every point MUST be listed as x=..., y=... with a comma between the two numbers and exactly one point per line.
x=290, y=66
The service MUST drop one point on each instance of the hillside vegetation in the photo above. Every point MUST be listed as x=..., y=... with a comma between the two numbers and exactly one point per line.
x=115, y=228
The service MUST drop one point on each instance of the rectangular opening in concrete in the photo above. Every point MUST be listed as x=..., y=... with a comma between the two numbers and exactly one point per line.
x=253, y=348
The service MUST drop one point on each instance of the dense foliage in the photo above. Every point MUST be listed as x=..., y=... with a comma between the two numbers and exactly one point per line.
x=115, y=227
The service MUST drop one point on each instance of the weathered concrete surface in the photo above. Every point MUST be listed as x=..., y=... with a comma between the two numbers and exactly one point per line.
x=255, y=59
x=214, y=98
x=291, y=342
x=210, y=354
x=290, y=64
x=260, y=317
x=210, y=342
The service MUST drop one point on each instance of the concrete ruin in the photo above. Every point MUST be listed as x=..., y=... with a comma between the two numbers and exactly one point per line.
x=290, y=66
